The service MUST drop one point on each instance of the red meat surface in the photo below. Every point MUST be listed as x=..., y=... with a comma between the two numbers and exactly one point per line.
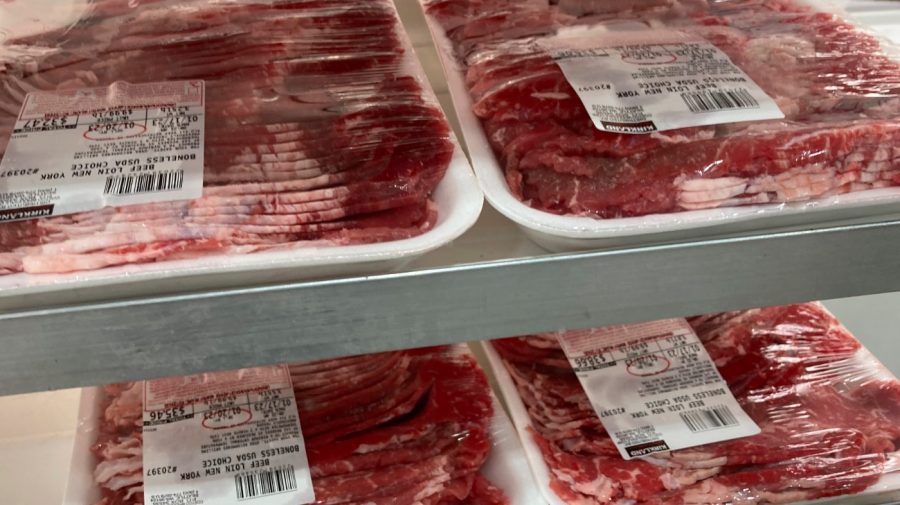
x=370, y=441
x=829, y=423
x=315, y=133
x=837, y=87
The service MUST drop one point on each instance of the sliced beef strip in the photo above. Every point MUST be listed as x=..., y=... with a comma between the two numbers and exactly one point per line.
x=430, y=453
x=833, y=81
x=826, y=426
x=285, y=164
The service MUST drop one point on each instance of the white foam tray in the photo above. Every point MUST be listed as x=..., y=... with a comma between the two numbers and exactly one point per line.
x=571, y=233
x=886, y=490
x=506, y=466
x=458, y=198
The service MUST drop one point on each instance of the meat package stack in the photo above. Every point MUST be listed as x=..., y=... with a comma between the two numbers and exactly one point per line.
x=837, y=87
x=316, y=134
x=393, y=428
x=830, y=425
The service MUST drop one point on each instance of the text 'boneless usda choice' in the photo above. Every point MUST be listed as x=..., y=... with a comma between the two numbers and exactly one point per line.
x=84, y=149
x=654, y=387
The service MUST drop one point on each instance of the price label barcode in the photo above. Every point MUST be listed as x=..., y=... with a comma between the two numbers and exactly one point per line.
x=151, y=182
x=709, y=419
x=712, y=100
x=265, y=482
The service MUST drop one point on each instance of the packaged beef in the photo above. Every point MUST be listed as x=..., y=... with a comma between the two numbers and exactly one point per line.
x=316, y=134
x=828, y=416
x=392, y=428
x=837, y=87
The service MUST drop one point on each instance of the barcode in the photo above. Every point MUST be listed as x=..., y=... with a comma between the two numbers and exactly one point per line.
x=149, y=182
x=265, y=482
x=709, y=419
x=712, y=100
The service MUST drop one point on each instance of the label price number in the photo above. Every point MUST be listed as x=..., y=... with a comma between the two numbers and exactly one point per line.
x=167, y=414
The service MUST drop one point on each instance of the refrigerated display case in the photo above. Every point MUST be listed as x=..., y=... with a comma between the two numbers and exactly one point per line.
x=491, y=282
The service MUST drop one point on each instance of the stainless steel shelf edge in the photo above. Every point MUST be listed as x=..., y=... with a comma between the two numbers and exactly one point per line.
x=173, y=335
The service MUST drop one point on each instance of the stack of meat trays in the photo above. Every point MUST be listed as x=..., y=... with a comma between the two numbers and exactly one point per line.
x=828, y=415
x=409, y=427
x=526, y=96
x=324, y=151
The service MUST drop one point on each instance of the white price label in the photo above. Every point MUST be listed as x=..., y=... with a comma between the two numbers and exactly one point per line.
x=654, y=387
x=84, y=149
x=642, y=81
x=224, y=437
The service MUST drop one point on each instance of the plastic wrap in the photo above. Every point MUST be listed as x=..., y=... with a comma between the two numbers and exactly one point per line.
x=837, y=86
x=318, y=134
x=829, y=414
x=419, y=426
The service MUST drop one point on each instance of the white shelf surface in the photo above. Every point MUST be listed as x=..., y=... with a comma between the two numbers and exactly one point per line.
x=37, y=432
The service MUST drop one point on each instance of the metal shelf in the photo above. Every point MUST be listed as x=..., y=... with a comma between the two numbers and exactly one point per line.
x=214, y=330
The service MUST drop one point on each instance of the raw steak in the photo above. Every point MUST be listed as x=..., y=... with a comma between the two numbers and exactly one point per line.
x=829, y=424
x=395, y=429
x=839, y=91
x=315, y=132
